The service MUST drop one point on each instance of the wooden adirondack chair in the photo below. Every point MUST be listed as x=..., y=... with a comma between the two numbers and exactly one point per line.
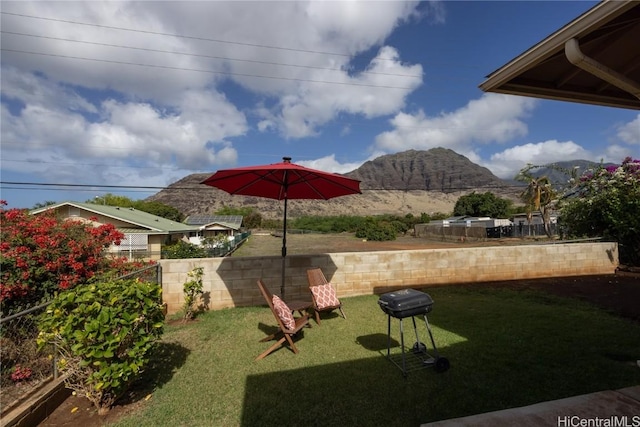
x=323, y=293
x=288, y=325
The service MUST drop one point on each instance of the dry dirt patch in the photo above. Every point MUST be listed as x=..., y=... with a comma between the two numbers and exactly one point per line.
x=266, y=244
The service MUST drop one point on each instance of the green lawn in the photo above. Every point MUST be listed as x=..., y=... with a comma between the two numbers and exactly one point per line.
x=506, y=349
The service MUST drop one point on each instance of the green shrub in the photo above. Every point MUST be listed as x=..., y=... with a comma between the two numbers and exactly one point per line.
x=182, y=250
x=378, y=231
x=192, y=290
x=102, y=335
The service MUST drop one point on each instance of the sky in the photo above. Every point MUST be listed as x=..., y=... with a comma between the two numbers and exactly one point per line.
x=129, y=97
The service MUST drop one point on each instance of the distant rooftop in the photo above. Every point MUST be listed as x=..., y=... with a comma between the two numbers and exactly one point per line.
x=231, y=221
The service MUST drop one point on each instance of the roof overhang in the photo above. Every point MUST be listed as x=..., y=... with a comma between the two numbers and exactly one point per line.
x=219, y=226
x=594, y=59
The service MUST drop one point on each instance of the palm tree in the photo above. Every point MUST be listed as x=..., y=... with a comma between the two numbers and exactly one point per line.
x=538, y=196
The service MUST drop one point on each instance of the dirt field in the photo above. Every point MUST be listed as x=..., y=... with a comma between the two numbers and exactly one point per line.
x=265, y=244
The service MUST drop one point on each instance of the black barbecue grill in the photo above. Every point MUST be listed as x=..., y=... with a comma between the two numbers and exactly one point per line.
x=410, y=303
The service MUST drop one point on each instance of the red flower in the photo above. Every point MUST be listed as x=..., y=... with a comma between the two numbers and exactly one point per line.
x=20, y=374
x=42, y=253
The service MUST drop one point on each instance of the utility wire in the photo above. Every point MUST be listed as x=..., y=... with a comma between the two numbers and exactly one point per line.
x=44, y=162
x=185, y=36
x=167, y=67
x=78, y=164
x=87, y=190
x=290, y=49
x=203, y=186
x=416, y=76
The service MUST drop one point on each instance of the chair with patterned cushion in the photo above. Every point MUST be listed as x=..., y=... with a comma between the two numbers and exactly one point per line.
x=323, y=293
x=288, y=325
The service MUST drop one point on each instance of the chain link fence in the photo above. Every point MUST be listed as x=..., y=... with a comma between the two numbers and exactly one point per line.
x=150, y=274
x=23, y=367
x=459, y=233
x=449, y=233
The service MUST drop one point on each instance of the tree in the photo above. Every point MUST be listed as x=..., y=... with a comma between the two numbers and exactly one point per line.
x=152, y=207
x=159, y=209
x=251, y=218
x=487, y=204
x=376, y=229
x=605, y=203
x=538, y=196
x=44, y=204
x=112, y=200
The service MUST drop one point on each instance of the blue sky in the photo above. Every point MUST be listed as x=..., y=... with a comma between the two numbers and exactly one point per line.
x=129, y=97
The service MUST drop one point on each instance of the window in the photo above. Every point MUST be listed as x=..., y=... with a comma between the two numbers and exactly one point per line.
x=134, y=242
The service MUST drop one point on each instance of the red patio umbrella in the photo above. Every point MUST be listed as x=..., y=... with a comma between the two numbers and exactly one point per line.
x=283, y=181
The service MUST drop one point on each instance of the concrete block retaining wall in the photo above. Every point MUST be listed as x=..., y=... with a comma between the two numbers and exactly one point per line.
x=231, y=282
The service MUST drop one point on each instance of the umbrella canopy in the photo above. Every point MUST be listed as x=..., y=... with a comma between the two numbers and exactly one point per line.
x=283, y=181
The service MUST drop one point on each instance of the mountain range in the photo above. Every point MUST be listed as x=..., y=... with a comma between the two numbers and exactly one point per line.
x=408, y=182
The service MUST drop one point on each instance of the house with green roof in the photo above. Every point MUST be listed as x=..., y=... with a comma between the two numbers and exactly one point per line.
x=144, y=233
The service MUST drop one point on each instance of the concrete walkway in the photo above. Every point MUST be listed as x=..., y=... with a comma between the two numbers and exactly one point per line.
x=603, y=408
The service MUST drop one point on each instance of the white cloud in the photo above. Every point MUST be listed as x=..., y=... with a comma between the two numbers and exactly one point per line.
x=378, y=90
x=493, y=119
x=490, y=119
x=358, y=22
x=183, y=136
x=629, y=133
x=624, y=144
x=122, y=36
x=436, y=12
x=153, y=140
x=111, y=66
x=614, y=153
x=508, y=163
x=30, y=89
x=330, y=164
x=157, y=49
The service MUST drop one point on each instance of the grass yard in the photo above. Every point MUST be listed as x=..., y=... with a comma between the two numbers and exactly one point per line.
x=507, y=348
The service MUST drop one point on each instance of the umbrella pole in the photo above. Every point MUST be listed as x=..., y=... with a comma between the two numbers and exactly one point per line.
x=284, y=246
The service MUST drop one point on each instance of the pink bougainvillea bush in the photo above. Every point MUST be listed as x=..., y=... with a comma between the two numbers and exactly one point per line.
x=606, y=204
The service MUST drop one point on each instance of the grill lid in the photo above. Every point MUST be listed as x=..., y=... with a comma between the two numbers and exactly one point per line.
x=405, y=303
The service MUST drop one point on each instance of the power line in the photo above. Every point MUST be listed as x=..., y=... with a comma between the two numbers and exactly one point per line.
x=202, y=55
x=87, y=190
x=48, y=184
x=82, y=164
x=185, y=36
x=167, y=67
x=213, y=40
x=91, y=164
x=95, y=187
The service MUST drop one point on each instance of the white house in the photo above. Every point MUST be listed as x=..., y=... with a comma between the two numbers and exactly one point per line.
x=213, y=226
